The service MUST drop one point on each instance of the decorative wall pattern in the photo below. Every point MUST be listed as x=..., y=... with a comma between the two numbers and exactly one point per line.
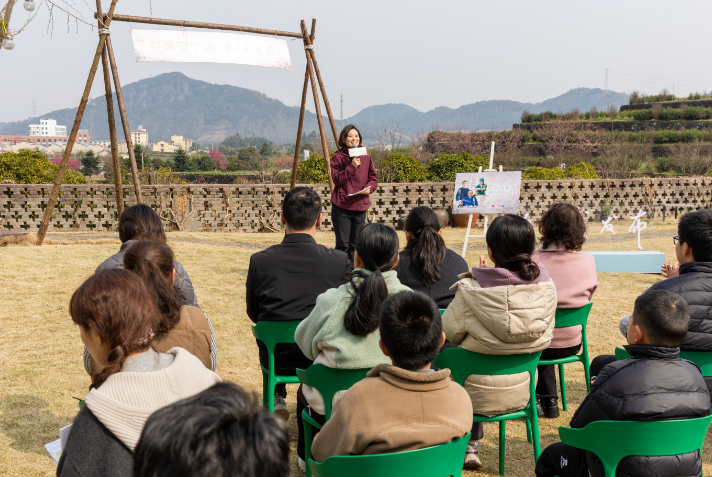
x=256, y=208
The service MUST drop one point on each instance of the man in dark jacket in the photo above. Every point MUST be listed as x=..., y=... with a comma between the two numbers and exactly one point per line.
x=284, y=280
x=655, y=384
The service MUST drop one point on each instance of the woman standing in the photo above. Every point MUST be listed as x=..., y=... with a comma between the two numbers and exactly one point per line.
x=354, y=179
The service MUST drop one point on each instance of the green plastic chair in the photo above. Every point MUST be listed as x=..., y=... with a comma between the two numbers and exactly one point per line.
x=611, y=441
x=328, y=381
x=442, y=311
x=271, y=333
x=702, y=359
x=463, y=363
x=438, y=461
x=572, y=317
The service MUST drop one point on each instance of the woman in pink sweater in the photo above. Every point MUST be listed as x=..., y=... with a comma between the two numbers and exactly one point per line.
x=574, y=273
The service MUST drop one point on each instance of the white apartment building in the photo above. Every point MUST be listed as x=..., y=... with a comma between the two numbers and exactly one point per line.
x=181, y=142
x=140, y=136
x=48, y=127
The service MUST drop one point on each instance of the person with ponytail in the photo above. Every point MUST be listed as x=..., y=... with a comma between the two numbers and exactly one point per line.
x=342, y=329
x=181, y=325
x=140, y=221
x=427, y=265
x=117, y=321
x=506, y=309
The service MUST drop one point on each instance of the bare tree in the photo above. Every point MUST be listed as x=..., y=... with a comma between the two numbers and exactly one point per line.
x=389, y=136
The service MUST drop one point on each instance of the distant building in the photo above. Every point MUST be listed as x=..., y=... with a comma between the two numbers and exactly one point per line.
x=181, y=142
x=82, y=138
x=140, y=136
x=48, y=127
x=163, y=146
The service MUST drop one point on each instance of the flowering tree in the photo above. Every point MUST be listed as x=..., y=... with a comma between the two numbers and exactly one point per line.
x=284, y=162
x=74, y=163
x=218, y=159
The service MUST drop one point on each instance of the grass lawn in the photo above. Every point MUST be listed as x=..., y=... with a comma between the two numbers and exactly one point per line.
x=41, y=352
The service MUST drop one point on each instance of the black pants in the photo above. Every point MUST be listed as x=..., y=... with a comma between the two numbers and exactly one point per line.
x=320, y=418
x=546, y=386
x=562, y=460
x=346, y=225
x=600, y=362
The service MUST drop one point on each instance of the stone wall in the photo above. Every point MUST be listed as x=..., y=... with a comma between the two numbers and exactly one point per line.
x=630, y=126
x=255, y=208
x=705, y=103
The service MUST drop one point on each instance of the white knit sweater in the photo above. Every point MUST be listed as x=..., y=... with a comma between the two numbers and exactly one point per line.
x=126, y=399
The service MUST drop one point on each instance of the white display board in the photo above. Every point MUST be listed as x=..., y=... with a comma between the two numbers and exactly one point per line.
x=210, y=47
x=487, y=193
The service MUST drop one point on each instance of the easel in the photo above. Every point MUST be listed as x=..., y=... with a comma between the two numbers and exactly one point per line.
x=469, y=222
x=104, y=51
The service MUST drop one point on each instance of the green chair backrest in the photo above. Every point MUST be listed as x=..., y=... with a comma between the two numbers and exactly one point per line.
x=611, y=441
x=572, y=316
x=271, y=333
x=329, y=381
x=439, y=461
x=463, y=363
x=442, y=311
x=702, y=359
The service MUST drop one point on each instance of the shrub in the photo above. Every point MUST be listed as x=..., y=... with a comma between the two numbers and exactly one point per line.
x=444, y=167
x=401, y=168
x=525, y=116
x=542, y=173
x=694, y=135
x=634, y=97
x=642, y=115
x=29, y=166
x=612, y=111
x=696, y=113
x=593, y=113
x=669, y=114
x=581, y=170
x=661, y=137
x=656, y=110
x=312, y=170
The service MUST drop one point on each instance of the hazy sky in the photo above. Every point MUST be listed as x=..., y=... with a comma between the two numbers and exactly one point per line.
x=422, y=53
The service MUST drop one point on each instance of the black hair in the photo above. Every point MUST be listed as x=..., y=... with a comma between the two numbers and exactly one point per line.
x=427, y=244
x=512, y=241
x=563, y=225
x=218, y=432
x=345, y=133
x=377, y=246
x=301, y=207
x=411, y=329
x=695, y=229
x=140, y=220
x=664, y=316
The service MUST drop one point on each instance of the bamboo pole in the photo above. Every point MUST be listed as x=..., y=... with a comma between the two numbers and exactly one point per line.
x=73, y=135
x=116, y=162
x=310, y=52
x=211, y=26
x=300, y=128
x=124, y=122
x=317, y=106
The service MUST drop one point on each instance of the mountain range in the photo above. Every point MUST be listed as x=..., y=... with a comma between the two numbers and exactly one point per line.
x=173, y=104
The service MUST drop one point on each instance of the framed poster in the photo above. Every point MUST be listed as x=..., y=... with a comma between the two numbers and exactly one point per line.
x=487, y=193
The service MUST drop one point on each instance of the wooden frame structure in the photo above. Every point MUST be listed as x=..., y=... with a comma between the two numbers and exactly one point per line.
x=105, y=53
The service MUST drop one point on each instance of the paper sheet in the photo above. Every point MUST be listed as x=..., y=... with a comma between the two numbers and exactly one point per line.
x=357, y=193
x=55, y=449
x=358, y=151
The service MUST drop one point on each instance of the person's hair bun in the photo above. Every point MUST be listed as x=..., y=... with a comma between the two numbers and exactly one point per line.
x=522, y=263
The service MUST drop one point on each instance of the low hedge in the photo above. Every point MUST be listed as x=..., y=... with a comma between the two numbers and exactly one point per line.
x=580, y=170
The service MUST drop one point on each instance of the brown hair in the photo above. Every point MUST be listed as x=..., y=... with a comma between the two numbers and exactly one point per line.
x=140, y=220
x=117, y=306
x=563, y=225
x=153, y=262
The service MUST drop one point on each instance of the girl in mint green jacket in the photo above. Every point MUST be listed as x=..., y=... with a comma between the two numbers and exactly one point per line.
x=342, y=329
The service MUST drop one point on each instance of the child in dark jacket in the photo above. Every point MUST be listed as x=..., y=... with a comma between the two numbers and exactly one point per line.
x=653, y=385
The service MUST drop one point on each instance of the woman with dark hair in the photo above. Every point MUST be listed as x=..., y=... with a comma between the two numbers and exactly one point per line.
x=342, y=329
x=181, y=325
x=426, y=264
x=117, y=322
x=354, y=179
x=141, y=221
x=563, y=232
x=508, y=309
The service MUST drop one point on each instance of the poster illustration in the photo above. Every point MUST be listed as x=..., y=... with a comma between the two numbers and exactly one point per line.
x=487, y=193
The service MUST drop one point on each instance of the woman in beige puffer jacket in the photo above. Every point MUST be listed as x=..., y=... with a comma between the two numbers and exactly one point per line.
x=508, y=309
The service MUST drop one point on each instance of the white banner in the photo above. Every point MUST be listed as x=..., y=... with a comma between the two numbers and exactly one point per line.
x=210, y=47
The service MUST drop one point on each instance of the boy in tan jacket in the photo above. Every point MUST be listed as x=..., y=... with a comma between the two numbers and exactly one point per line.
x=406, y=405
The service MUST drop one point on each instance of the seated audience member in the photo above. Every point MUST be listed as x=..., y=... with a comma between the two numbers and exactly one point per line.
x=117, y=320
x=504, y=310
x=284, y=281
x=218, y=432
x=574, y=273
x=653, y=385
x=405, y=405
x=426, y=265
x=342, y=329
x=181, y=326
x=142, y=222
x=693, y=248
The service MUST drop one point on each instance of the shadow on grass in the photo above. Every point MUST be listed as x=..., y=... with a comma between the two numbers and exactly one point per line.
x=29, y=424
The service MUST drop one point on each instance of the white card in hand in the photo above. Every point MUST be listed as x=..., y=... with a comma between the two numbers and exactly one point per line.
x=357, y=193
x=358, y=151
